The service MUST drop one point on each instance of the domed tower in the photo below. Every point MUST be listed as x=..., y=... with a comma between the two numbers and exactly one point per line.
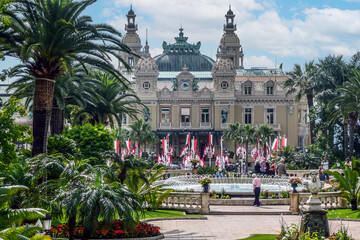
x=131, y=39
x=224, y=74
x=231, y=41
x=146, y=74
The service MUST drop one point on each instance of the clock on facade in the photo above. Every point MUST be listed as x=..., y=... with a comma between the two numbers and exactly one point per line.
x=185, y=84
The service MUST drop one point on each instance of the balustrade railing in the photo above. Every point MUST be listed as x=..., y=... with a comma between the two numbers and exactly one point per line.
x=188, y=202
x=329, y=200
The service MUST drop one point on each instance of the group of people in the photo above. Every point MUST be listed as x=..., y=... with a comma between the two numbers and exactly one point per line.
x=264, y=167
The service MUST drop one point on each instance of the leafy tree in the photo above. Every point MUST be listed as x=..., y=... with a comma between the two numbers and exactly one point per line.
x=349, y=183
x=4, y=5
x=10, y=133
x=47, y=37
x=304, y=83
x=92, y=140
x=141, y=132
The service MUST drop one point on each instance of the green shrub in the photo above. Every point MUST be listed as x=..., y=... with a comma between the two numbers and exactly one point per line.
x=208, y=170
x=92, y=140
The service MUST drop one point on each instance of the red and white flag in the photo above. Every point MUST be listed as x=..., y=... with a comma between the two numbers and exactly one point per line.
x=128, y=144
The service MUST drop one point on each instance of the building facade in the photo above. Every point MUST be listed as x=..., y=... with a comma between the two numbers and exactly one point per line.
x=188, y=92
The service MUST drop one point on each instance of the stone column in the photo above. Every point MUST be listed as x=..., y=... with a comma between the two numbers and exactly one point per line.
x=205, y=203
x=294, y=203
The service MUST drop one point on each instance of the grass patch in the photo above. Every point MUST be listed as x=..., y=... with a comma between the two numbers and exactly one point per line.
x=166, y=214
x=261, y=237
x=344, y=213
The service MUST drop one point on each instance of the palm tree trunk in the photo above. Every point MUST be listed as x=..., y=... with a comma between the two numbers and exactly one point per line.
x=353, y=121
x=310, y=100
x=57, y=119
x=354, y=204
x=43, y=96
x=72, y=224
x=346, y=138
x=265, y=150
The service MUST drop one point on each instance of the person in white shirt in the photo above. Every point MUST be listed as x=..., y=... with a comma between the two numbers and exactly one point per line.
x=325, y=167
x=257, y=186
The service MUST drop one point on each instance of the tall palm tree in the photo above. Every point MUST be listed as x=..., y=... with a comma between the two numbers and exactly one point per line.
x=141, y=132
x=109, y=101
x=349, y=103
x=265, y=133
x=248, y=137
x=233, y=133
x=47, y=36
x=303, y=82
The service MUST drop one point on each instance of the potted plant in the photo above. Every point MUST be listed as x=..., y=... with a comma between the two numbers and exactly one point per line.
x=205, y=184
x=195, y=162
x=294, y=183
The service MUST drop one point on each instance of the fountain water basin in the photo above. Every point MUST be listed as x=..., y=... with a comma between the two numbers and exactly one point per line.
x=228, y=184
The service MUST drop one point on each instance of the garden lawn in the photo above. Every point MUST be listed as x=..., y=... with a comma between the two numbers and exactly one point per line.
x=261, y=237
x=344, y=213
x=166, y=214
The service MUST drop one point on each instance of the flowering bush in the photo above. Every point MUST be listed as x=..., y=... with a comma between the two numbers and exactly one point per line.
x=295, y=180
x=204, y=181
x=115, y=230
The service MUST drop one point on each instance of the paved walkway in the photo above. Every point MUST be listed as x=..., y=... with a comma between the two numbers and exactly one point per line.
x=231, y=227
x=263, y=210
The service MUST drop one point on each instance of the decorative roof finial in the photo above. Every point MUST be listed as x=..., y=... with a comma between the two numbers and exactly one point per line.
x=147, y=53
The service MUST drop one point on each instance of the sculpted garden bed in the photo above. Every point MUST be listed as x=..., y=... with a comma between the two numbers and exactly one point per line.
x=114, y=231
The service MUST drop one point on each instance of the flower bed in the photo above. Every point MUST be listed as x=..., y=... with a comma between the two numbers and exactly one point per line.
x=115, y=230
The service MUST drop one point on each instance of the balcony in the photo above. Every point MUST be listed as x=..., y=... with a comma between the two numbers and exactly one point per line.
x=205, y=125
x=165, y=125
x=185, y=125
x=275, y=126
x=224, y=125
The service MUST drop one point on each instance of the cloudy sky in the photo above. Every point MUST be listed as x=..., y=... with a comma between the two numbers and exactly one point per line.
x=271, y=31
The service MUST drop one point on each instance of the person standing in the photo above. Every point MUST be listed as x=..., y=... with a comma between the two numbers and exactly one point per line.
x=273, y=168
x=257, y=186
x=257, y=167
x=325, y=167
x=347, y=162
x=281, y=168
x=263, y=166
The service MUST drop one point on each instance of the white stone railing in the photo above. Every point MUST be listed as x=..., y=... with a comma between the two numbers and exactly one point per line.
x=188, y=202
x=185, y=124
x=329, y=200
x=205, y=125
x=165, y=125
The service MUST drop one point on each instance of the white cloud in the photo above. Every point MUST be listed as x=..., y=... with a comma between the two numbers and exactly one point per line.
x=261, y=61
x=309, y=33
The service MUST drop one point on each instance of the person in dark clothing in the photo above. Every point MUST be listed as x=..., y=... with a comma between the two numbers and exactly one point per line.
x=267, y=168
x=257, y=167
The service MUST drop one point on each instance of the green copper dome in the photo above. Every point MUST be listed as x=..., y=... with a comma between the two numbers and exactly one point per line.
x=176, y=56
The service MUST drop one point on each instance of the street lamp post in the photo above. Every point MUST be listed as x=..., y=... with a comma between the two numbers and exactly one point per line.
x=47, y=224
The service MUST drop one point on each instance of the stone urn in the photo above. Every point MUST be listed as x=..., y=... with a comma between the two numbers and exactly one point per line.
x=294, y=186
x=206, y=187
